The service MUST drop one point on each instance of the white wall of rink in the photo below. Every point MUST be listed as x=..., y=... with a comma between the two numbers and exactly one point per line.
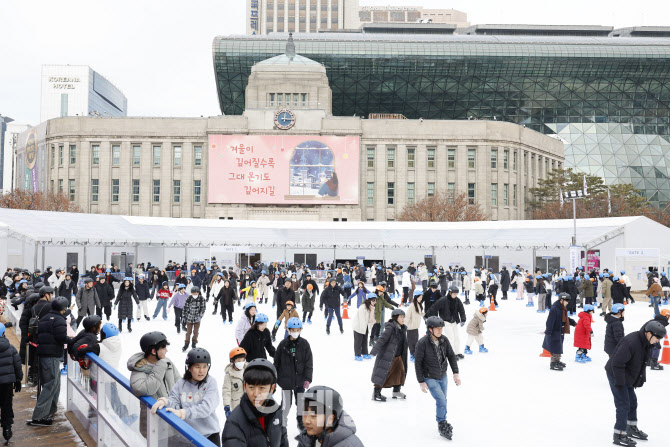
x=36, y=239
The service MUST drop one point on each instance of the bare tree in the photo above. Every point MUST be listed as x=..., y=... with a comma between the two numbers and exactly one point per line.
x=44, y=201
x=442, y=207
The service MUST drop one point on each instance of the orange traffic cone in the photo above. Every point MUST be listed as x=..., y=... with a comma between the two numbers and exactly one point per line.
x=345, y=315
x=492, y=307
x=545, y=353
x=665, y=359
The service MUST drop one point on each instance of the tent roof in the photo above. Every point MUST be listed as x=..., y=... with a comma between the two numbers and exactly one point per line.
x=53, y=228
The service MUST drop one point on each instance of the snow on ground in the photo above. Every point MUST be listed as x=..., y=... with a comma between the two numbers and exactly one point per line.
x=508, y=397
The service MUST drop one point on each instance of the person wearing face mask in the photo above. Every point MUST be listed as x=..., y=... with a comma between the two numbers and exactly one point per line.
x=294, y=363
x=233, y=387
x=626, y=371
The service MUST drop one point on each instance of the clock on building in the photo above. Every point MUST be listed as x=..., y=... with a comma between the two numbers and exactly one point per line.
x=284, y=119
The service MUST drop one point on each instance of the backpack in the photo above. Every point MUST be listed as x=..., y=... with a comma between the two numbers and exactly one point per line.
x=33, y=324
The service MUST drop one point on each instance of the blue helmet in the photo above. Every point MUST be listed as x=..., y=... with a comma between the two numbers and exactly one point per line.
x=588, y=307
x=372, y=296
x=110, y=330
x=2, y=329
x=616, y=278
x=261, y=318
x=108, y=271
x=264, y=272
x=248, y=305
x=606, y=275
x=181, y=286
x=516, y=270
x=294, y=323
x=128, y=278
x=663, y=274
x=618, y=307
x=23, y=281
x=416, y=293
x=623, y=272
x=220, y=274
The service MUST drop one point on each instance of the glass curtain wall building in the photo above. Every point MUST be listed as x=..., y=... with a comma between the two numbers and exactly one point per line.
x=606, y=98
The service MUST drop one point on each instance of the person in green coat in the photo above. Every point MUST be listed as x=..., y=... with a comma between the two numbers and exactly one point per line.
x=381, y=303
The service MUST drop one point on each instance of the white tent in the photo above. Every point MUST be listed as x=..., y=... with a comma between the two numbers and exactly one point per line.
x=38, y=238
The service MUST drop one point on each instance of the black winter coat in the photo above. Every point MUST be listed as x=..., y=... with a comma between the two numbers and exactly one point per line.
x=661, y=319
x=242, y=428
x=64, y=290
x=313, y=283
x=331, y=297
x=74, y=346
x=430, y=298
x=504, y=280
x=256, y=342
x=627, y=364
x=294, y=363
x=142, y=291
x=227, y=296
x=426, y=360
x=385, y=349
x=124, y=298
x=553, y=334
x=105, y=293
x=614, y=333
x=618, y=292
x=284, y=295
x=442, y=308
x=11, y=370
x=24, y=321
x=52, y=335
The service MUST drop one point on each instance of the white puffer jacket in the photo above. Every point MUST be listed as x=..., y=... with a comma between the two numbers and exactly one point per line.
x=110, y=351
x=362, y=319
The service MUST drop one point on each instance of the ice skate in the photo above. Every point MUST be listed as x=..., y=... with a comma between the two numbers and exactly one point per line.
x=411, y=357
x=63, y=372
x=623, y=439
x=460, y=356
x=656, y=366
x=467, y=350
x=483, y=349
x=397, y=394
x=377, y=395
x=445, y=429
x=184, y=348
x=555, y=366
x=633, y=432
x=358, y=358
x=7, y=433
x=367, y=356
x=579, y=358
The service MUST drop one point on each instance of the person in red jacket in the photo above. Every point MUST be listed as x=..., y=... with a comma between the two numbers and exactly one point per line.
x=583, y=334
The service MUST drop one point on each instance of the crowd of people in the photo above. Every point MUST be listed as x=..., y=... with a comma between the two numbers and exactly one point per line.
x=427, y=317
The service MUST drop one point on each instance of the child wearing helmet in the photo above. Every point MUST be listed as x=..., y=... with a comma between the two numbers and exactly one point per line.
x=583, y=333
x=227, y=297
x=308, y=299
x=178, y=300
x=288, y=313
x=163, y=295
x=614, y=332
x=258, y=339
x=245, y=322
x=326, y=422
x=294, y=363
x=479, y=291
x=233, y=388
x=194, y=310
x=475, y=329
x=85, y=341
x=194, y=398
x=363, y=322
x=250, y=293
x=258, y=419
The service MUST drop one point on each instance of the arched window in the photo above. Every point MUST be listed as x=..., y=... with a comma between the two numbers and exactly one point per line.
x=312, y=167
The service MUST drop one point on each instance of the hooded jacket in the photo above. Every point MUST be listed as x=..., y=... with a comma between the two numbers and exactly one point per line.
x=449, y=309
x=476, y=324
x=243, y=429
x=255, y=343
x=52, y=335
x=294, y=363
x=626, y=367
x=614, y=333
x=11, y=370
x=110, y=351
x=583, y=330
x=147, y=379
x=233, y=386
x=344, y=435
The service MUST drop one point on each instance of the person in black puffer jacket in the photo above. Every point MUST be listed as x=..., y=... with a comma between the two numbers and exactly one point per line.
x=11, y=374
x=626, y=370
x=450, y=309
x=390, y=369
x=432, y=354
x=331, y=299
x=26, y=314
x=124, y=299
x=614, y=332
x=258, y=339
x=144, y=295
x=51, y=338
x=105, y=295
x=86, y=341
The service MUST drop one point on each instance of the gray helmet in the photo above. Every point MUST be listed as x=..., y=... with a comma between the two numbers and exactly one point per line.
x=326, y=399
x=434, y=322
x=656, y=329
x=46, y=289
x=453, y=289
x=60, y=303
x=262, y=364
x=195, y=289
x=198, y=355
x=397, y=312
x=151, y=339
x=563, y=296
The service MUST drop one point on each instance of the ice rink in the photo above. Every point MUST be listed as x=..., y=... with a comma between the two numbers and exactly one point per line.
x=508, y=397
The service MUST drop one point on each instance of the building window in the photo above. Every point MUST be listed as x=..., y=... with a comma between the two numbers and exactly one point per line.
x=472, y=153
x=410, y=193
x=471, y=193
x=95, y=154
x=71, y=189
x=514, y=161
x=61, y=155
x=95, y=189
x=196, y=191
x=116, y=155
x=136, y=190
x=506, y=194
x=280, y=99
x=494, y=194
x=506, y=159
x=53, y=155
x=431, y=189
x=157, y=191
x=451, y=187
x=390, y=157
x=513, y=195
x=157, y=155
x=431, y=157
x=371, y=156
x=303, y=96
x=73, y=154
x=451, y=157
x=410, y=157
x=60, y=185
x=197, y=155
x=371, y=193
x=390, y=191
x=115, y=190
x=494, y=158
x=137, y=154
x=272, y=99
x=177, y=155
x=176, y=191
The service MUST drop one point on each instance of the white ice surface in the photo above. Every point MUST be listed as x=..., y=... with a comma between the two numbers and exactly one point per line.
x=508, y=397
